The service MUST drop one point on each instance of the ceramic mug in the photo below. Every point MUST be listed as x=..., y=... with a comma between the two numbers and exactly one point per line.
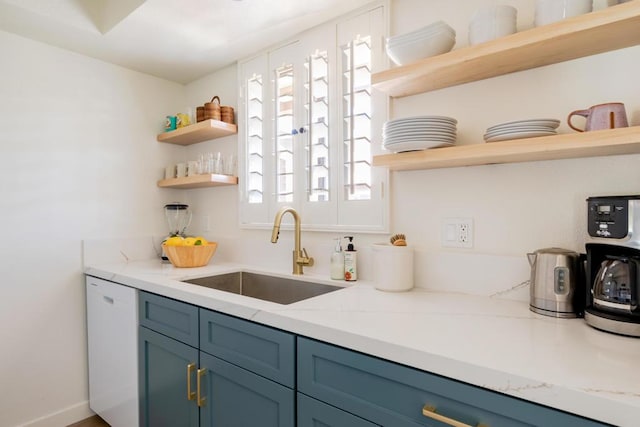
x=193, y=167
x=170, y=123
x=170, y=172
x=602, y=116
x=549, y=11
x=181, y=170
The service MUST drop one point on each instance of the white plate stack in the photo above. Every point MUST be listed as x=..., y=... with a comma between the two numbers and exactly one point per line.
x=522, y=129
x=418, y=133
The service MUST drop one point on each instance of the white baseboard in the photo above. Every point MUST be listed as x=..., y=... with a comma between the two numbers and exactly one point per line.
x=64, y=417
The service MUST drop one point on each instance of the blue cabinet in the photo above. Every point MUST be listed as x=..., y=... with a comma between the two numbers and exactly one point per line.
x=313, y=413
x=203, y=368
x=164, y=381
x=184, y=384
x=236, y=397
x=172, y=318
x=393, y=395
x=266, y=351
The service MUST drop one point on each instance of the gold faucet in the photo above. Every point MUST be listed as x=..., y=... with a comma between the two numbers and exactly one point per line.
x=300, y=257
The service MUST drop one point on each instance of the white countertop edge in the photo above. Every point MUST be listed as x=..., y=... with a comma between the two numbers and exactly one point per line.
x=603, y=405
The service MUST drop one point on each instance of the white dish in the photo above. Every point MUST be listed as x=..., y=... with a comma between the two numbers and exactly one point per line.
x=519, y=135
x=418, y=145
x=521, y=129
x=419, y=136
x=422, y=119
x=405, y=140
x=427, y=30
x=421, y=48
x=418, y=130
x=407, y=38
x=533, y=122
x=440, y=125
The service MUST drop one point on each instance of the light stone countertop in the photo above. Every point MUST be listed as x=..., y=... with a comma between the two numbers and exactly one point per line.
x=489, y=342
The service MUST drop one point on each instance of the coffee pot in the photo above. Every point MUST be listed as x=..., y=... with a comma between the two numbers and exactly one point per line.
x=556, y=284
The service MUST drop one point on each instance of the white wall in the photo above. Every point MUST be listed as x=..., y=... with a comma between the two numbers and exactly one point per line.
x=516, y=208
x=80, y=161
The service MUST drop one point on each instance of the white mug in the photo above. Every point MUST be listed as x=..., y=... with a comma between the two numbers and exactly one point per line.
x=192, y=168
x=170, y=172
x=548, y=11
x=181, y=170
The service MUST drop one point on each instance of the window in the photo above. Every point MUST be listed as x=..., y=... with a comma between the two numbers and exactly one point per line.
x=309, y=126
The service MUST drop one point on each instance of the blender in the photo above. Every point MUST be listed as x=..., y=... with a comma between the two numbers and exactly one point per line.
x=178, y=218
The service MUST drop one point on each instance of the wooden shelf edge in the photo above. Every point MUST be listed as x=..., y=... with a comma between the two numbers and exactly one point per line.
x=563, y=146
x=596, y=32
x=198, y=181
x=198, y=132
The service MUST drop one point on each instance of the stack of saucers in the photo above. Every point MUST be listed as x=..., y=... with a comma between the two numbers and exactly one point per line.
x=418, y=133
x=522, y=129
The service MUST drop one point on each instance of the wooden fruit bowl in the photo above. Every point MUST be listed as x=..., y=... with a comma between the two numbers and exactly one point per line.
x=190, y=256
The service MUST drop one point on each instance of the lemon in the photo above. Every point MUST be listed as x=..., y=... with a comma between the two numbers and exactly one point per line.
x=189, y=241
x=201, y=241
x=175, y=241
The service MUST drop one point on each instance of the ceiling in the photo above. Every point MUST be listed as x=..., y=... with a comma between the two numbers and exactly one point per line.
x=178, y=40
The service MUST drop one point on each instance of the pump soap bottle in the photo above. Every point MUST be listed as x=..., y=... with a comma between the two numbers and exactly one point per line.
x=350, y=262
x=337, y=262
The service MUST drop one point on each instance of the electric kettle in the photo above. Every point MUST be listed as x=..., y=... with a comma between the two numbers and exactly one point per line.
x=556, y=285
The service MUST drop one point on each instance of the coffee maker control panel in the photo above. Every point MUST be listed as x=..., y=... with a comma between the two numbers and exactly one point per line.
x=612, y=217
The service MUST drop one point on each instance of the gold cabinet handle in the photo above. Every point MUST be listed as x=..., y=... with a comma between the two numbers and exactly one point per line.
x=190, y=394
x=430, y=412
x=199, y=376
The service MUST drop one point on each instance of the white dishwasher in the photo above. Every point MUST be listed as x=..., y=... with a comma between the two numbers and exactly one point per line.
x=112, y=334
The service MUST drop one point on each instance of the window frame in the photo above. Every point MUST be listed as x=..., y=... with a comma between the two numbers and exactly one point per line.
x=344, y=214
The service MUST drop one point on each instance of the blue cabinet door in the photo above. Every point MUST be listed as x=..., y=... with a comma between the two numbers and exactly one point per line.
x=313, y=413
x=235, y=397
x=163, y=381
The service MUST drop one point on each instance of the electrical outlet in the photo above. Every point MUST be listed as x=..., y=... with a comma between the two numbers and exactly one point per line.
x=457, y=232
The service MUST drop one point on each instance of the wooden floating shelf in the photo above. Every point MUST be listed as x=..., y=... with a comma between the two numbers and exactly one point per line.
x=564, y=146
x=198, y=132
x=608, y=29
x=198, y=181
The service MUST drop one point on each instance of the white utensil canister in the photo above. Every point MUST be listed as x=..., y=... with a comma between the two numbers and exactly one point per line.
x=392, y=267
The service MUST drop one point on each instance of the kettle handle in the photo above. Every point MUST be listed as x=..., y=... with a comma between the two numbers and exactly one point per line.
x=532, y=258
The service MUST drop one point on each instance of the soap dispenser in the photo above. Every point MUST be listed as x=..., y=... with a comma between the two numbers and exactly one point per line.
x=337, y=261
x=350, y=262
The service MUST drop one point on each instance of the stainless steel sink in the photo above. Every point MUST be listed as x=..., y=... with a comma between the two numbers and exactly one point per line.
x=269, y=288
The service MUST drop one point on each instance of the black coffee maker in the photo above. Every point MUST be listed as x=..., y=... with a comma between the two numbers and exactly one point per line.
x=613, y=264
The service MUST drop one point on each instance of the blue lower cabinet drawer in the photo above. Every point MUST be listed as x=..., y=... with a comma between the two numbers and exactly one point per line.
x=175, y=319
x=260, y=349
x=394, y=395
x=313, y=413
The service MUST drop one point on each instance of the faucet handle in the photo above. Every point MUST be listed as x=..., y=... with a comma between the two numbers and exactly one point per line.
x=306, y=259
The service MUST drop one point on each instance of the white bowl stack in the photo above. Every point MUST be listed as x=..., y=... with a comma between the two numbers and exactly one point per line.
x=419, y=133
x=522, y=129
x=434, y=39
x=491, y=23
